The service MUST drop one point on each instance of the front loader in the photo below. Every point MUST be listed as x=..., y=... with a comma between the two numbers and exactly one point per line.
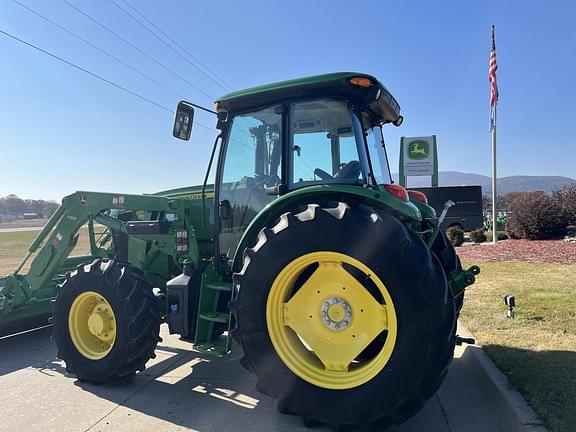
x=335, y=283
x=147, y=232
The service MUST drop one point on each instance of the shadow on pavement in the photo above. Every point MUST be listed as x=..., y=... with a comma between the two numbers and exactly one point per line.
x=31, y=349
x=194, y=391
x=180, y=386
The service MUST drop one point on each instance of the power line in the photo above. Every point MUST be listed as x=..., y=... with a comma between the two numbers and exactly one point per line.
x=87, y=42
x=226, y=85
x=94, y=75
x=80, y=68
x=130, y=44
x=145, y=27
x=207, y=72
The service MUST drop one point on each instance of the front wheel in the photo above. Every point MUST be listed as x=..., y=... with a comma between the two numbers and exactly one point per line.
x=344, y=316
x=106, y=322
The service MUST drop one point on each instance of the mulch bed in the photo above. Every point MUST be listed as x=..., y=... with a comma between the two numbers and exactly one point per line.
x=552, y=251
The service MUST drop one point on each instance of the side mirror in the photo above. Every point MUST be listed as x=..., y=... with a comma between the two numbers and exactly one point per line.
x=183, y=121
x=398, y=121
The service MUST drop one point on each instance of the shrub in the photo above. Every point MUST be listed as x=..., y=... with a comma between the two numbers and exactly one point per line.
x=456, y=235
x=510, y=197
x=500, y=235
x=566, y=199
x=478, y=236
x=536, y=216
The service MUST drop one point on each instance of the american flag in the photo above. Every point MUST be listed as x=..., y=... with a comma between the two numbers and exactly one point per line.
x=493, y=67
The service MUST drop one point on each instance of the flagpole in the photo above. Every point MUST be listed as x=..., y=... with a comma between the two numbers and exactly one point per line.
x=493, y=104
x=494, y=209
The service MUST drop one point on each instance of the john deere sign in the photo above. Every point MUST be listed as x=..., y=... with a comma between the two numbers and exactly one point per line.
x=418, y=158
x=418, y=150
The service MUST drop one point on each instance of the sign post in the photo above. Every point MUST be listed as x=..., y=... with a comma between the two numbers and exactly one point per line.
x=418, y=157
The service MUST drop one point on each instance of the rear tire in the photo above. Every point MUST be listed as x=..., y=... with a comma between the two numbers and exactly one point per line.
x=415, y=282
x=106, y=322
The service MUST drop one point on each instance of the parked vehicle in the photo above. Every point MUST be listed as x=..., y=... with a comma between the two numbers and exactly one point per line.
x=467, y=211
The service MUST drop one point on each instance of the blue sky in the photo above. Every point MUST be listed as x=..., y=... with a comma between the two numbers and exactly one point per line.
x=62, y=130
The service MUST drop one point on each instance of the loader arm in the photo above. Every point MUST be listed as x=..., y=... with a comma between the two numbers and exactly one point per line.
x=24, y=295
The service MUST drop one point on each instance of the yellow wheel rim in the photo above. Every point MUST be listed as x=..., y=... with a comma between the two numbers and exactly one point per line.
x=92, y=325
x=320, y=327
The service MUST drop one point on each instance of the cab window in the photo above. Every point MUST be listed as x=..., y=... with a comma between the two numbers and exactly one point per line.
x=323, y=145
x=376, y=149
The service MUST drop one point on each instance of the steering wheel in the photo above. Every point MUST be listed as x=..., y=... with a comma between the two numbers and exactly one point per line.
x=350, y=170
x=322, y=174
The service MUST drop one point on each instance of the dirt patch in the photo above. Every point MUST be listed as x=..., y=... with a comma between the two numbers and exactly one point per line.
x=552, y=251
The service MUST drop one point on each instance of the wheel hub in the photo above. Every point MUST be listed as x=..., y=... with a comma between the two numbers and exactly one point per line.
x=336, y=313
x=96, y=324
x=99, y=322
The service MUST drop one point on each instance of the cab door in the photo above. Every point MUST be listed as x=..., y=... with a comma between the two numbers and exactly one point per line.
x=249, y=171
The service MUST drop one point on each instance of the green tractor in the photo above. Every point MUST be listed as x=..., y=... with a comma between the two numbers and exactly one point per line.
x=335, y=282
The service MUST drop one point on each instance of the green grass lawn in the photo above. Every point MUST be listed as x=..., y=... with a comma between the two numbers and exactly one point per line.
x=13, y=246
x=537, y=349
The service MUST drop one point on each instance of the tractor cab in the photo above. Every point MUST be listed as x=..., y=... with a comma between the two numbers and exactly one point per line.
x=280, y=138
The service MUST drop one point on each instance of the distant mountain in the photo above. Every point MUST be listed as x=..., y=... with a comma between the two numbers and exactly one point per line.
x=505, y=185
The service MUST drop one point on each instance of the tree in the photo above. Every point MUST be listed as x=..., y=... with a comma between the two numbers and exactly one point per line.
x=15, y=206
x=510, y=197
x=566, y=199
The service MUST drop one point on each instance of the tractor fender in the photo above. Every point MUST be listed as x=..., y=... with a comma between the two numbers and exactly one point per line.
x=375, y=197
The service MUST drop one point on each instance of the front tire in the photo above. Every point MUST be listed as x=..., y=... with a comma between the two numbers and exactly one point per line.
x=381, y=272
x=106, y=322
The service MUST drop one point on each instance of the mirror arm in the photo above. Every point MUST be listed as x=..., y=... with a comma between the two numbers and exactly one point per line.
x=202, y=108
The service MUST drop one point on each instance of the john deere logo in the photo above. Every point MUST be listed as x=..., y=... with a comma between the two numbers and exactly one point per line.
x=418, y=150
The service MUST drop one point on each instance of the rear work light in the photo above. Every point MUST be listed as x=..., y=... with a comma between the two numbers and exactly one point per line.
x=417, y=195
x=398, y=191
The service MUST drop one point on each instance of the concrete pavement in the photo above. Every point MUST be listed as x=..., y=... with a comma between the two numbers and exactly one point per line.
x=182, y=390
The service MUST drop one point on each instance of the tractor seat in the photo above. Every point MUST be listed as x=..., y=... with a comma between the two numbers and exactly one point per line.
x=351, y=170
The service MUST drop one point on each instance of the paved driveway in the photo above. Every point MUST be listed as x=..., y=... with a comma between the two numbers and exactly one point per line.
x=181, y=391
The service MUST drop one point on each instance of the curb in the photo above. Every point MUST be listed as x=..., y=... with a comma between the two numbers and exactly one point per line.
x=510, y=406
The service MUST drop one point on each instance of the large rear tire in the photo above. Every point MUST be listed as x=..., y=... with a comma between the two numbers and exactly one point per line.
x=320, y=280
x=106, y=322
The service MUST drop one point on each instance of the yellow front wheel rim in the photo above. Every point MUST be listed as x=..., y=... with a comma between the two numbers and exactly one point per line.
x=320, y=327
x=92, y=325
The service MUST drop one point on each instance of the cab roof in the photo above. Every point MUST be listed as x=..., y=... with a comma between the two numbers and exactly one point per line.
x=332, y=85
